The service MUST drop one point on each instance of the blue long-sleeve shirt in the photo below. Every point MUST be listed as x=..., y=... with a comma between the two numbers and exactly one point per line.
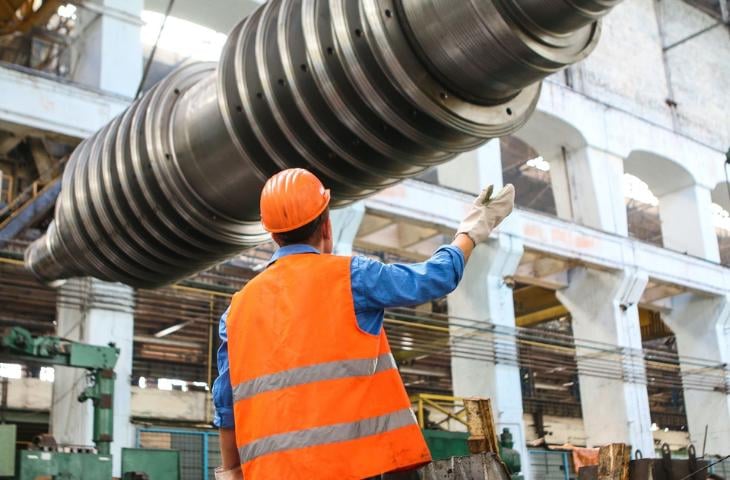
x=375, y=286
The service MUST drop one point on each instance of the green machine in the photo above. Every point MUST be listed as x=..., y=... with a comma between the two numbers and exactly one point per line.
x=444, y=444
x=47, y=460
x=510, y=457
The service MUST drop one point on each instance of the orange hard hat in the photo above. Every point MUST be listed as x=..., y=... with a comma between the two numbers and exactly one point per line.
x=291, y=199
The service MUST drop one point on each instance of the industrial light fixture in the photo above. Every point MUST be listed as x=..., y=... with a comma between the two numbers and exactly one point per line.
x=172, y=329
x=422, y=372
x=170, y=384
x=539, y=163
x=11, y=370
x=47, y=374
x=67, y=11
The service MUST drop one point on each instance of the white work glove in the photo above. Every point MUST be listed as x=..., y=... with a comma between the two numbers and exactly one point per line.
x=487, y=212
x=232, y=474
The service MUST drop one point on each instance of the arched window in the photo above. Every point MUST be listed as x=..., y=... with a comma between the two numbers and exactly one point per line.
x=530, y=156
x=649, y=178
x=642, y=210
x=524, y=167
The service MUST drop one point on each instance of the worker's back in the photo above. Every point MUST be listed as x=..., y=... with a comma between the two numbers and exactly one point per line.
x=314, y=396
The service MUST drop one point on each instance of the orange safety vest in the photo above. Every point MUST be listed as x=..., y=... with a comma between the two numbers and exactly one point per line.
x=314, y=396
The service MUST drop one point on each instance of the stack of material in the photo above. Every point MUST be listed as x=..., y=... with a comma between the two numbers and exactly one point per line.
x=614, y=463
x=484, y=466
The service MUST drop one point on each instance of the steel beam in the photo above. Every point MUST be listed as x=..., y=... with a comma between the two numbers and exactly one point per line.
x=557, y=238
x=30, y=213
x=45, y=105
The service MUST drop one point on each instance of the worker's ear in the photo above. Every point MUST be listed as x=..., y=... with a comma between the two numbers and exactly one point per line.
x=327, y=228
x=277, y=239
x=326, y=242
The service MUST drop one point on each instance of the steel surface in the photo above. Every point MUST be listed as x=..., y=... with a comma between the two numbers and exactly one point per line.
x=363, y=93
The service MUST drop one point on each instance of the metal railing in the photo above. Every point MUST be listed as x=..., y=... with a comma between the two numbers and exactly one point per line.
x=550, y=465
x=199, y=450
x=722, y=469
x=450, y=406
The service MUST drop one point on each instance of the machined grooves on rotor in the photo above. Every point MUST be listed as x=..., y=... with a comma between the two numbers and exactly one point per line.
x=363, y=93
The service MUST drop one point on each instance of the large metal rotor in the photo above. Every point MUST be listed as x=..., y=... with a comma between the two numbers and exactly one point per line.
x=363, y=93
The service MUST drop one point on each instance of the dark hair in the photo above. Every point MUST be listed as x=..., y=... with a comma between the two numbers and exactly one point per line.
x=303, y=234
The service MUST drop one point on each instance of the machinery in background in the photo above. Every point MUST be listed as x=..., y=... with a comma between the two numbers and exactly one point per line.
x=509, y=455
x=481, y=438
x=453, y=461
x=614, y=463
x=481, y=466
x=47, y=459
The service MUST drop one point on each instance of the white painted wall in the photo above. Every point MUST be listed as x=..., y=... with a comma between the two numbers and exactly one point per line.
x=562, y=430
x=699, y=71
x=628, y=69
x=483, y=296
x=147, y=403
x=150, y=403
x=111, y=56
x=604, y=308
x=29, y=394
x=96, y=321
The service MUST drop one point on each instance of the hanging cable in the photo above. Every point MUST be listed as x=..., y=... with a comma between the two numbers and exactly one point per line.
x=694, y=35
x=727, y=179
x=690, y=475
x=148, y=64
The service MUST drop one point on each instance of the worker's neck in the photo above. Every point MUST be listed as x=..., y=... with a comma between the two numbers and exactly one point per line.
x=320, y=245
x=297, y=244
x=323, y=243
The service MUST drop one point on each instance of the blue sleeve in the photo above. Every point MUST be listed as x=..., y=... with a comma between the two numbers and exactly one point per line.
x=376, y=285
x=222, y=392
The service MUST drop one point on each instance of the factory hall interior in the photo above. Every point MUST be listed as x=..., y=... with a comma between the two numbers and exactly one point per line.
x=365, y=239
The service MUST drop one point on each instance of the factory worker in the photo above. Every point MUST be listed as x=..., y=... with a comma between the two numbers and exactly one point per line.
x=308, y=387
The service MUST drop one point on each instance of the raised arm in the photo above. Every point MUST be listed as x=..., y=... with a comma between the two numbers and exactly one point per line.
x=376, y=285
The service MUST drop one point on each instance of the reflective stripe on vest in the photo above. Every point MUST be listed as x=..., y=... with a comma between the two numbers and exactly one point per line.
x=329, y=434
x=313, y=373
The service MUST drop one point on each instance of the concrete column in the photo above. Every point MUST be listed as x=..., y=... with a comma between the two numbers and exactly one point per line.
x=110, y=57
x=482, y=300
x=687, y=224
x=472, y=171
x=702, y=328
x=95, y=312
x=603, y=306
x=588, y=188
x=345, y=224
